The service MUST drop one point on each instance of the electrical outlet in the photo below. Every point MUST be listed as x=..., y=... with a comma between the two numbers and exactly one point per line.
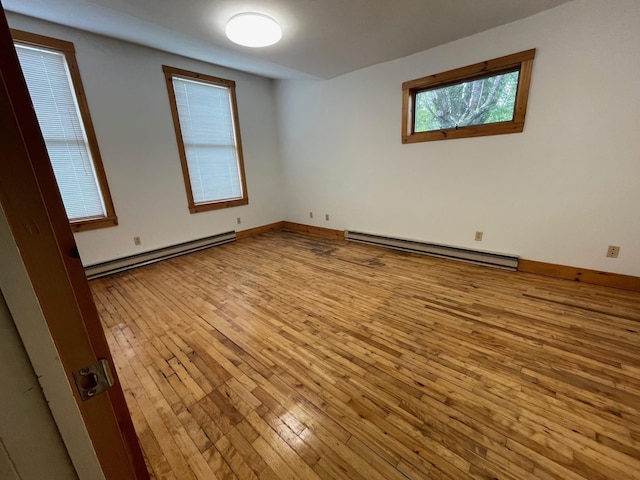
x=326, y=217
x=310, y=214
x=613, y=251
x=478, y=236
x=137, y=241
x=238, y=220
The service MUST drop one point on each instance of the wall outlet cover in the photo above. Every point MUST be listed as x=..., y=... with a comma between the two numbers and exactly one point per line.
x=613, y=251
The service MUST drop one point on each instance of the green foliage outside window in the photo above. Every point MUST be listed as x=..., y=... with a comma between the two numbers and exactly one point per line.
x=476, y=102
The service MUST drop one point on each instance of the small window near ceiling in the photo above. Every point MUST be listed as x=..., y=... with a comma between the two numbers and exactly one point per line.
x=53, y=79
x=488, y=98
x=206, y=125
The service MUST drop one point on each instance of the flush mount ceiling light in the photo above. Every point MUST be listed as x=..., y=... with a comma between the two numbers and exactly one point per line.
x=253, y=30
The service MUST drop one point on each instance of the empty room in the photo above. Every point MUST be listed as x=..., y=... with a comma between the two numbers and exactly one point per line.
x=302, y=239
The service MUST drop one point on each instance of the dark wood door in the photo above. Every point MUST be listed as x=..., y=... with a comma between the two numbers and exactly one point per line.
x=31, y=201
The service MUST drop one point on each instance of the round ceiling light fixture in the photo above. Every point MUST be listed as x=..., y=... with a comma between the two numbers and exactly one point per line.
x=252, y=29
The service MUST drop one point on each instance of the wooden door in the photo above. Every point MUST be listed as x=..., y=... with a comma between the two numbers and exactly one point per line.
x=33, y=207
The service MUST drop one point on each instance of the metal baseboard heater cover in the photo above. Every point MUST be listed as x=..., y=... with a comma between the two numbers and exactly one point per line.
x=133, y=261
x=493, y=259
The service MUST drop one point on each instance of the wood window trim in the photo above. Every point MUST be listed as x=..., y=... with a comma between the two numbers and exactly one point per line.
x=169, y=73
x=68, y=49
x=522, y=61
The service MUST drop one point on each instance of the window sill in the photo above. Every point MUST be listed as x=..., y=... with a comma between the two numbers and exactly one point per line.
x=464, y=132
x=204, y=207
x=93, y=224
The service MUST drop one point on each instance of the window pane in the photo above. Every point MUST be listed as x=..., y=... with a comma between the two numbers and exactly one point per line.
x=476, y=102
x=213, y=171
x=56, y=106
x=206, y=123
x=76, y=180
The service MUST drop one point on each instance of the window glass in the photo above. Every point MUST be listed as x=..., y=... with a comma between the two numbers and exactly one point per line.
x=476, y=102
x=206, y=122
x=57, y=110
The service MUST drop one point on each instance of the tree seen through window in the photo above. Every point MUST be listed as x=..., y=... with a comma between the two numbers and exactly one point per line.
x=475, y=102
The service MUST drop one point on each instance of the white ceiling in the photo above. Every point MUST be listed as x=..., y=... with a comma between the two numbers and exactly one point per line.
x=321, y=38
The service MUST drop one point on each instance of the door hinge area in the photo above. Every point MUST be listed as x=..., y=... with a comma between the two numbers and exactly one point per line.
x=93, y=379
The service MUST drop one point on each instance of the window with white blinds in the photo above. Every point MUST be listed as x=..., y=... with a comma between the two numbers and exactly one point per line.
x=208, y=139
x=50, y=83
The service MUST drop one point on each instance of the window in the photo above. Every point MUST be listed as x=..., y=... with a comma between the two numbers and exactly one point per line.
x=206, y=124
x=488, y=98
x=53, y=79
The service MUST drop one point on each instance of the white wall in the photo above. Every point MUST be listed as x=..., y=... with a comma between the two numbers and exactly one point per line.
x=30, y=444
x=129, y=107
x=560, y=192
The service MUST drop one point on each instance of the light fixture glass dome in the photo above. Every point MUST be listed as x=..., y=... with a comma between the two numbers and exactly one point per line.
x=253, y=30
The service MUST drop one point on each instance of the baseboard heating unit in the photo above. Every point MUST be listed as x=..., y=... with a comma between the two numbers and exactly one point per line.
x=499, y=260
x=133, y=261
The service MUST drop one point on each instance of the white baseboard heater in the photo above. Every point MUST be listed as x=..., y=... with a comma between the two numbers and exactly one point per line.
x=499, y=260
x=133, y=261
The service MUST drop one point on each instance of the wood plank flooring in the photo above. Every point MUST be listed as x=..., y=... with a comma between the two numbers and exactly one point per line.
x=285, y=356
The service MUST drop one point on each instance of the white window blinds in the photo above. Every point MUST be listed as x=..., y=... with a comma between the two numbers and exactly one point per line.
x=207, y=127
x=49, y=83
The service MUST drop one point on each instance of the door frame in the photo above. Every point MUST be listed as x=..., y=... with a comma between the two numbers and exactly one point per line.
x=34, y=212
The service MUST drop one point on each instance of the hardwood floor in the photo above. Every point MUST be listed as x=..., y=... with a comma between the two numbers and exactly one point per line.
x=291, y=357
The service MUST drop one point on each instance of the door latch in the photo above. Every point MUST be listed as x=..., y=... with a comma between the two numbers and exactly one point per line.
x=93, y=379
